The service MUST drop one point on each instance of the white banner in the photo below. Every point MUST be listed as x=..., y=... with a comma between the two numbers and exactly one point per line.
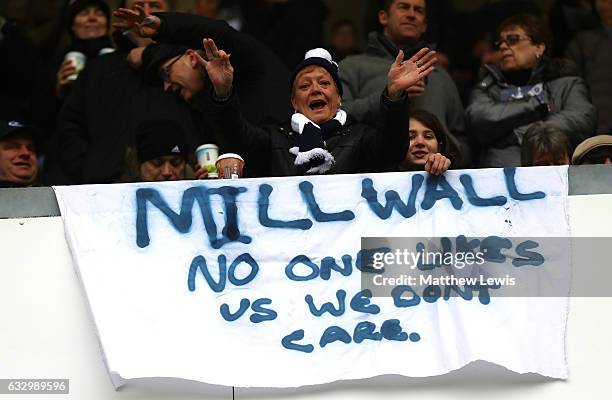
x=256, y=282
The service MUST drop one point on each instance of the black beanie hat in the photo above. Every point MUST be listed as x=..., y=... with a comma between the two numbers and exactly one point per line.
x=157, y=138
x=76, y=6
x=155, y=55
x=321, y=58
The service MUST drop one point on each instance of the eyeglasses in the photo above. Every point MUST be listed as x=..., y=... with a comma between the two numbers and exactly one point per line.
x=510, y=40
x=164, y=72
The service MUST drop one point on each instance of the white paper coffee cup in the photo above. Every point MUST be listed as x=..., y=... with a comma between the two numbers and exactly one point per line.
x=78, y=60
x=207, y=155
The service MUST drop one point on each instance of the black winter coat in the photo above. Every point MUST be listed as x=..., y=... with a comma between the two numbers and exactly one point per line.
x=260, y=77
x=357, y=148
x=97, y=121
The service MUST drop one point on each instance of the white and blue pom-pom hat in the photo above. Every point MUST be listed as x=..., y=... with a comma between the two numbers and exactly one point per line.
x=321, y=58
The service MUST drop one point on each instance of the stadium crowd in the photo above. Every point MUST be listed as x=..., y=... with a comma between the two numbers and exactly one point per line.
x=125, y=91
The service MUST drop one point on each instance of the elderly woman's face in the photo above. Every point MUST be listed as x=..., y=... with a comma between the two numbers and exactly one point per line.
x=315, y=94
x=517, y=51
x=423, y=142
x=89, y=23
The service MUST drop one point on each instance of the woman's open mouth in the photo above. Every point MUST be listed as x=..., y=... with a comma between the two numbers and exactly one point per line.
x=317, y=105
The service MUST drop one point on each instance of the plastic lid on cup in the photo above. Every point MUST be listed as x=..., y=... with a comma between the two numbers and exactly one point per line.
x=74, y=54
x=229, y=155
x=208, y=146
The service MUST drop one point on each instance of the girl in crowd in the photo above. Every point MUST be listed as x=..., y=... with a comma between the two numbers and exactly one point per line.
x=526, y=87
x=430, y=148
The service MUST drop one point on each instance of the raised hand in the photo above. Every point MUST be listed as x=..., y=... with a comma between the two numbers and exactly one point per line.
x=437, y=164
x=405, y=74
x=416, y=90
x=146, y=25
x=218, y=67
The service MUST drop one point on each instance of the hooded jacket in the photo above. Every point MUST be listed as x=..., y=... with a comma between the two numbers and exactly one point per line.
x=499, y=113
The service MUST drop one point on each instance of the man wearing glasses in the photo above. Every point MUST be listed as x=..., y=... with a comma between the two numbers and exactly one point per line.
x=180, y=74
x=260, y=76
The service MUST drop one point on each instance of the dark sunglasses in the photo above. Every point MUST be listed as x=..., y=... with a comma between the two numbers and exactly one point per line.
x=597, y=156
x=510, y=40
x=164, y=72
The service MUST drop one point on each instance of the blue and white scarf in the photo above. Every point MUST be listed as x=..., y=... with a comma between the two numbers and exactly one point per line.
x=311, y=156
